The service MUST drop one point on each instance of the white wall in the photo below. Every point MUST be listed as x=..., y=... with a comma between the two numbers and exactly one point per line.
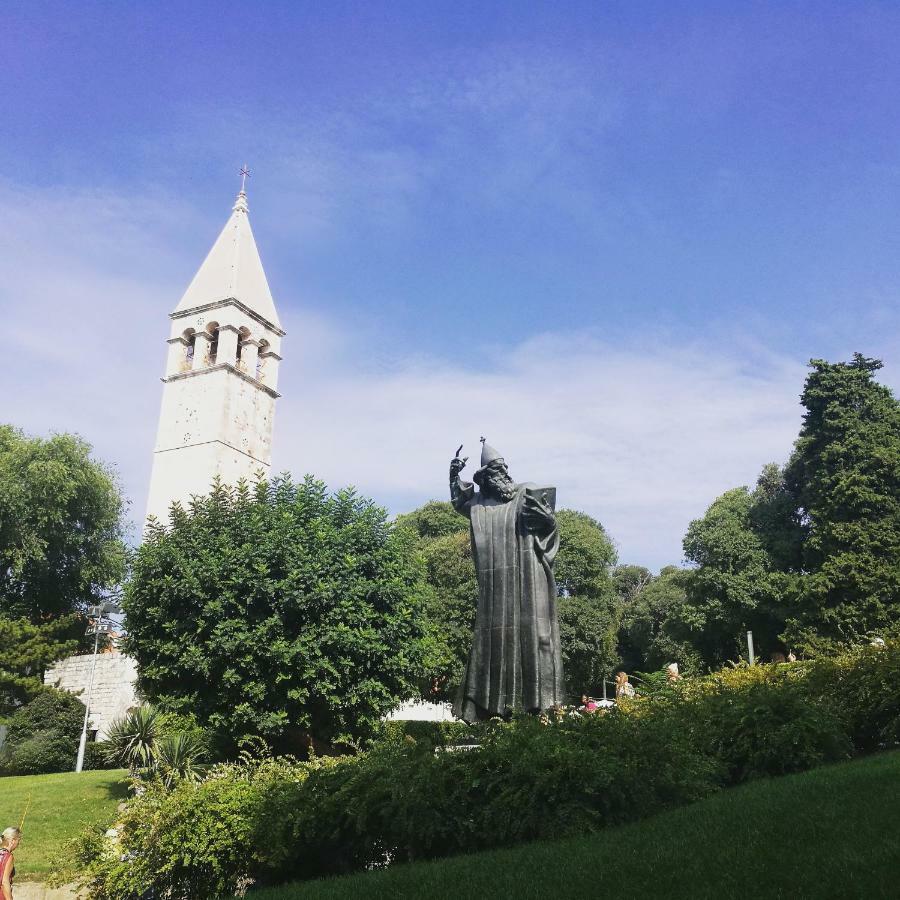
x=114, y=680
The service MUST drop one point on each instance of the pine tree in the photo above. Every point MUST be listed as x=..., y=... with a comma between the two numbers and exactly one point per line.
x=845, y=478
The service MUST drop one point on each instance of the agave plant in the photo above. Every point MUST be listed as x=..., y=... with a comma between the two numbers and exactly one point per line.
x=180, y=756
x=132, y=739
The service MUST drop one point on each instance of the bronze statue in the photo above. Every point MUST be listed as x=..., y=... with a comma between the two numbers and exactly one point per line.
x=515, y=662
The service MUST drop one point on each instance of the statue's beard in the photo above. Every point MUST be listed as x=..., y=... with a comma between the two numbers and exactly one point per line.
x=500, y=486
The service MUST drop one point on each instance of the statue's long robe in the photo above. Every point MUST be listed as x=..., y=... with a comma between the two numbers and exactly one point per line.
x=516, y=661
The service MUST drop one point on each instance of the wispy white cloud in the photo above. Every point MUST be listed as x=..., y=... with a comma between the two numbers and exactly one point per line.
x=642, y=436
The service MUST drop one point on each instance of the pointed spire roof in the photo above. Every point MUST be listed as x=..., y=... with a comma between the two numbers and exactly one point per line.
x=233, y=269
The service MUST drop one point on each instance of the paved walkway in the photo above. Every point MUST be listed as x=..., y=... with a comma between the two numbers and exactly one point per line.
x=35, y=890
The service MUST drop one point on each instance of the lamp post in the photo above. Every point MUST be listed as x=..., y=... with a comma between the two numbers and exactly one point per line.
x=99, y=624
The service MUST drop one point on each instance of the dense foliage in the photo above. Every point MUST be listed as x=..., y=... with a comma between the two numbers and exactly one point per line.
x=809, y=560
x=441, y=536
x=43, y=735
x=844, y=476
x=151, y=744
x=415, y=797
x=656, y=625
x=60, y=526
x=589, y=606
x=27, y=650
x=281, y=610
x=61, y=550
x=736, y=586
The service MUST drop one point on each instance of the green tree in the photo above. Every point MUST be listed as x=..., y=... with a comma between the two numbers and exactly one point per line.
x=60, y=526
x=844, y=476
x=452, y=598
x=27, y=650
x=589, y=607
x=657, y=622
x=282, y=611
x=737, y=586
x=436, y=519
x=441, y=536
x=630, y=580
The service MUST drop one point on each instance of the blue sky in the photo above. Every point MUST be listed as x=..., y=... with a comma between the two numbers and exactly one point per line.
x=608, y=235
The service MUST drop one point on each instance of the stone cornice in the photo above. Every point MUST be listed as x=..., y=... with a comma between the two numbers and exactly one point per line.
x=227, y=367
x=229, y=301
x=178, y=340
x=233, y=328
x=270, y=354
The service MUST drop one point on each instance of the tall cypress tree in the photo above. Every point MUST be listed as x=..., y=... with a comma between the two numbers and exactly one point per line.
x=845, y=477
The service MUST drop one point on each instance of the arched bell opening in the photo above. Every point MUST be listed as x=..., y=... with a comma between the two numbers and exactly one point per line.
x=213, y=331
x=261, y=360
x=190, y=347
x=243, y=335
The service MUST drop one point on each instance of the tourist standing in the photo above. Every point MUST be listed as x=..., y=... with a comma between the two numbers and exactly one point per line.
x=624, y=688
x=9, y=840
x=672, y=673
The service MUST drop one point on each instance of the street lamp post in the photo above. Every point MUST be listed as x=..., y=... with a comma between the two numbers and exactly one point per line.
x=99, y=624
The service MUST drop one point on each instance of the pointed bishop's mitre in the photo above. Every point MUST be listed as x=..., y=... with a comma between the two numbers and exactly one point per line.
x=488, y=454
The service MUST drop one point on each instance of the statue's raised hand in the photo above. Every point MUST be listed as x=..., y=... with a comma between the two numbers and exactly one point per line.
x=457, y=464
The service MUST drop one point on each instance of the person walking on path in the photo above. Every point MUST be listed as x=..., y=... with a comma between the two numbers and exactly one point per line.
x=9, y=840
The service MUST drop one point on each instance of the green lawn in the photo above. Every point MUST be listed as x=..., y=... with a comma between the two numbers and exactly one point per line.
x=60, y=806
x=829, y=833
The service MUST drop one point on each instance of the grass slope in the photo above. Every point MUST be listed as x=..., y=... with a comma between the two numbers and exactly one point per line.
x=828, y=833
x=61, y=805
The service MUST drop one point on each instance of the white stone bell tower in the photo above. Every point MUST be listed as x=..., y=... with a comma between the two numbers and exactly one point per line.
x=218, y=402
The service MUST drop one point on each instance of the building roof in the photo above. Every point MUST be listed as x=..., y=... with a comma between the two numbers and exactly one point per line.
x=233, y=270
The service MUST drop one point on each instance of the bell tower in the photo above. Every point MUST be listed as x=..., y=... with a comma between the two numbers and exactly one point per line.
x=219, y=388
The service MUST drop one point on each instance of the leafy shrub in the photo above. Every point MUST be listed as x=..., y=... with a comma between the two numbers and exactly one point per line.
x=147, y=742
x=863, y=686
x=761, y=721
x=180, y=755
x=437, y=734
x=192, y=842
x=41, y=753
x=131, y=740
x=413, y=795
x=401, y=800
x=43, y=735
x=96, y=756
x=527, y=781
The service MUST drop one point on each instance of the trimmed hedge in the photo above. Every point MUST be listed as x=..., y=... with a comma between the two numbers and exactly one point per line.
x=413, y=796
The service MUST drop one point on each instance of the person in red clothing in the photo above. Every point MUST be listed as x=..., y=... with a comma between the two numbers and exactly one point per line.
x=8, y=843
x=587, y=705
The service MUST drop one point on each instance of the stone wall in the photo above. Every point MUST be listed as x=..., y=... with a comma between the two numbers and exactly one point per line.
x=114, y=679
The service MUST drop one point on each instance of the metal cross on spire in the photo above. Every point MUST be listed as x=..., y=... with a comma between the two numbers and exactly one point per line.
x=245, y=174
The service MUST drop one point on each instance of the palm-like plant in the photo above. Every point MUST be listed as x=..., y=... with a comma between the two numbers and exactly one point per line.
x=132, y=739
x=180, y=756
